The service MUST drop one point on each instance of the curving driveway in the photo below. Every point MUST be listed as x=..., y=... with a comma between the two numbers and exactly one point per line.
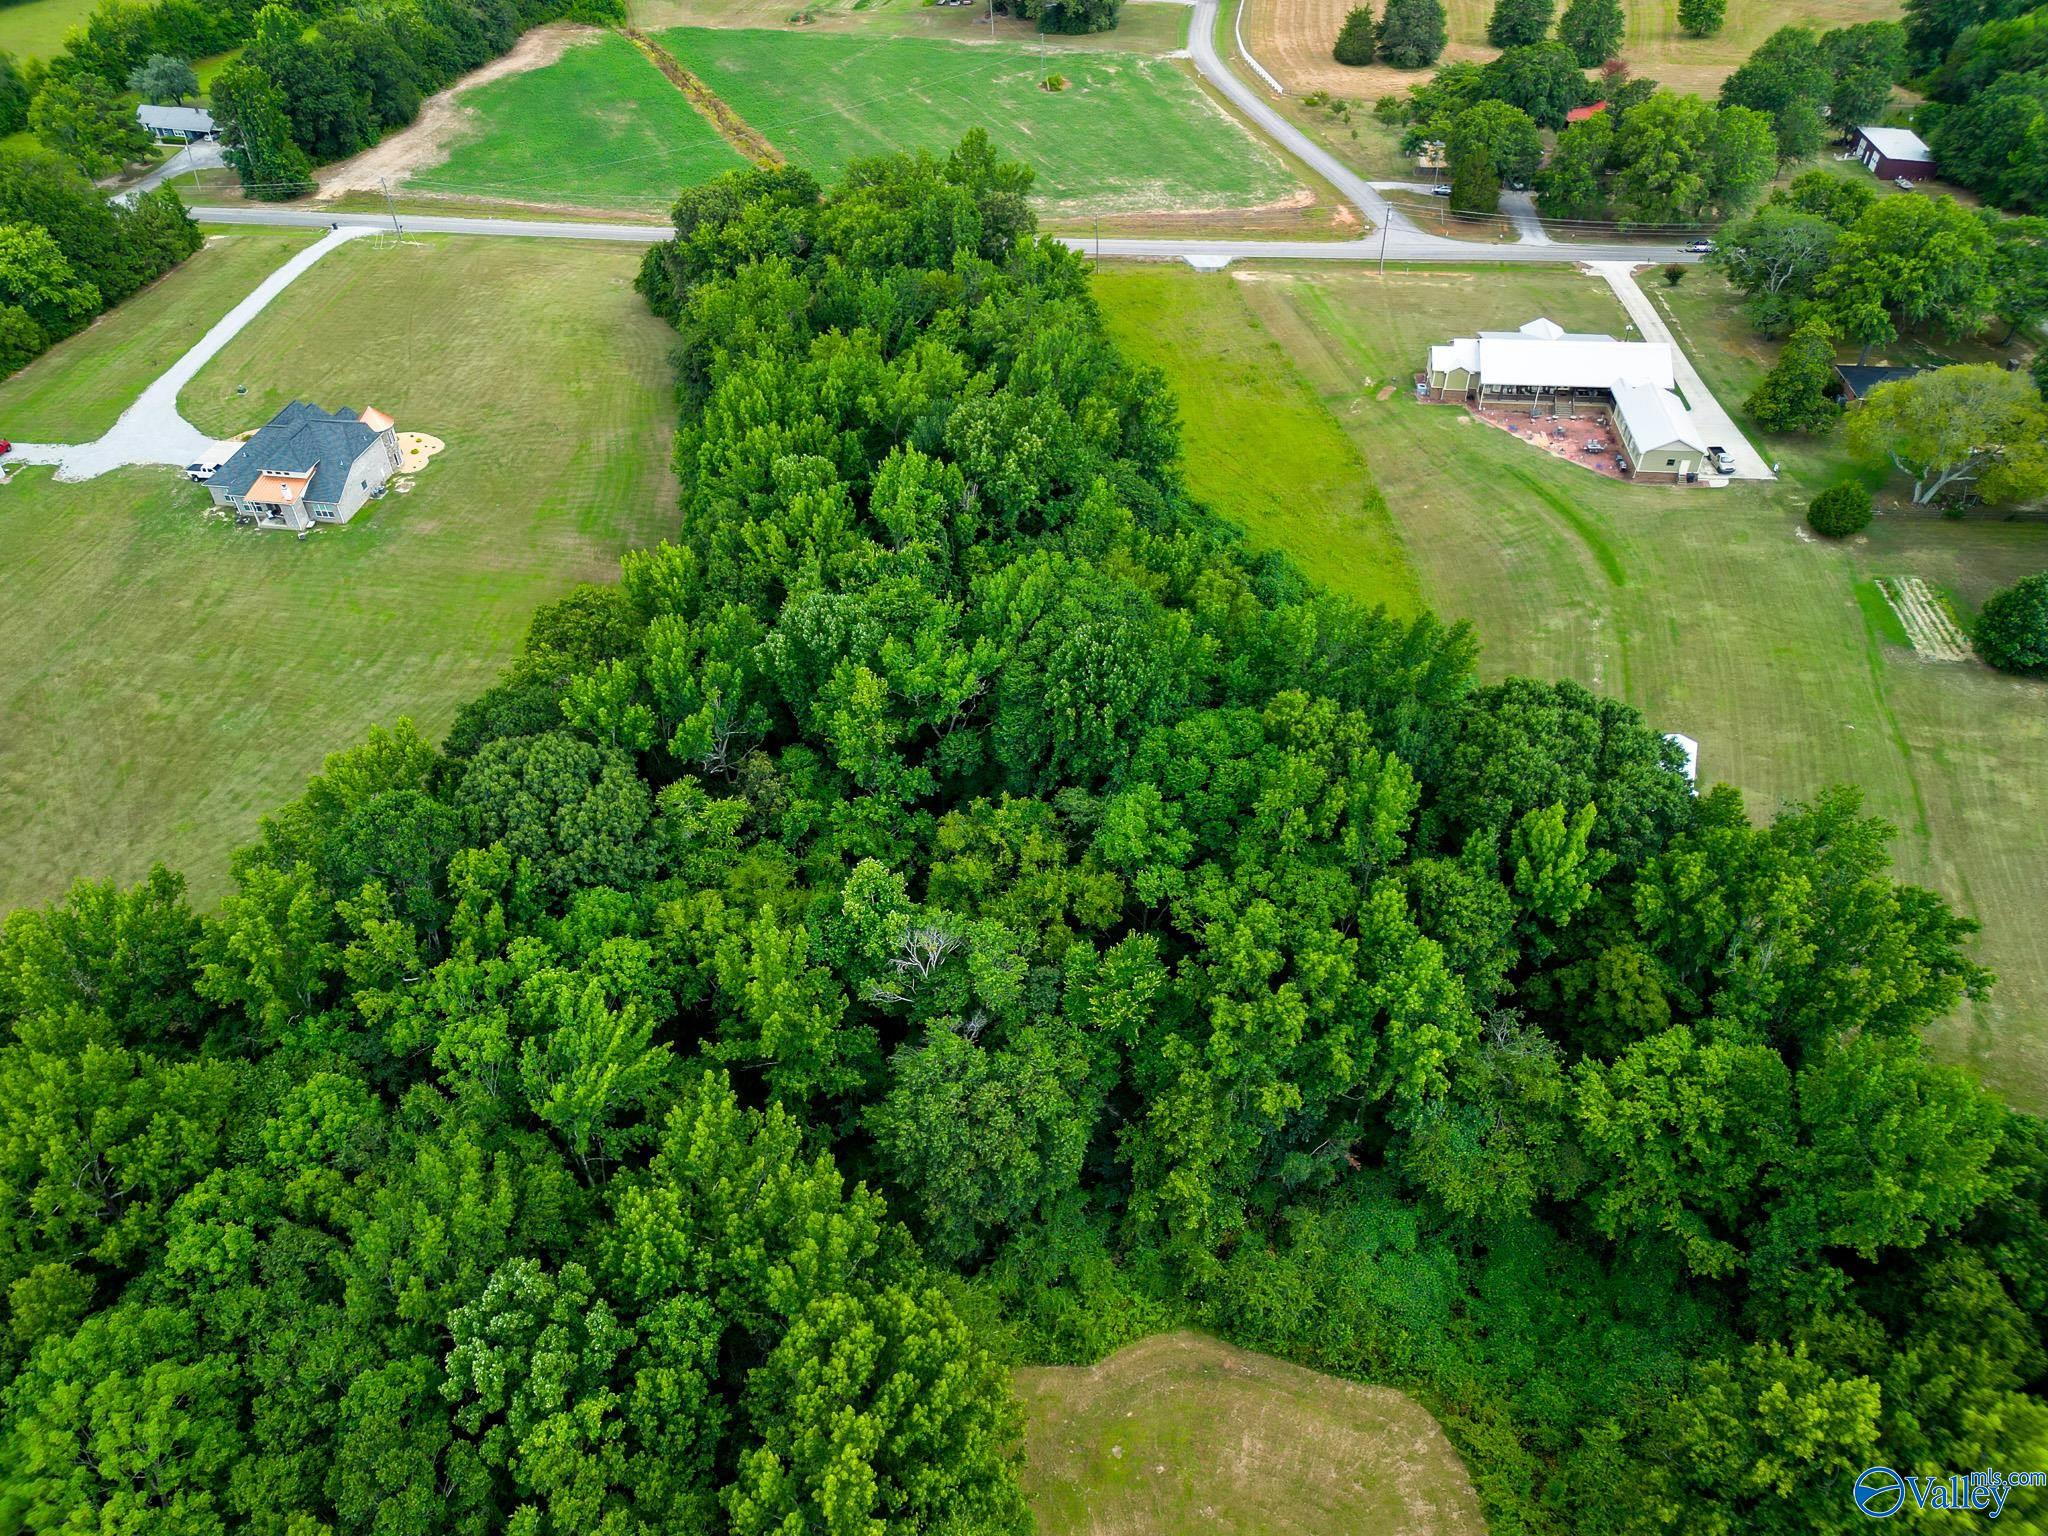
x=151, y=431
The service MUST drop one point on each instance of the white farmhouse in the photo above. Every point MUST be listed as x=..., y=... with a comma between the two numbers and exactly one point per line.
x=308, y=466
x=1544, y=365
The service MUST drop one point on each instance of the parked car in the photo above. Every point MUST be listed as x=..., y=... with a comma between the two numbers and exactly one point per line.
x=1902, y=184
x=1439, y=190
x=5, y=447
x=1721, y=461
x=1701, y=248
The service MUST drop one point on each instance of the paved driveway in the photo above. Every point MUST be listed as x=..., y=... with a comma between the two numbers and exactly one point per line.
x=1718, y=425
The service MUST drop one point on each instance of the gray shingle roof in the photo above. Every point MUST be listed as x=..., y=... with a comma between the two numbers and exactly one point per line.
x=298, y=438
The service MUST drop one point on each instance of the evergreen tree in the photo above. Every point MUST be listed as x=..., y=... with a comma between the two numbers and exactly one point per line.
x=1355, y=40
x=1515, y=23
x=1593, y=30
x=1412, y=33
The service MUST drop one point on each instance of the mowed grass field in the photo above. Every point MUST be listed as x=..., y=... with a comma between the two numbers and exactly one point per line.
x=34, y=29
x=1181, y=1433
x=1293, y=38
x=1707, y=610
x=1144, y=26
x=166, y=678
x=1128, y=134
x=78, y=389
x=600, y=127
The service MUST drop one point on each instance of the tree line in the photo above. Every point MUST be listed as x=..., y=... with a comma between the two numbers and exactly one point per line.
x=67, y=254
x=1984, y=67
x=954, y=904
x=313, y=83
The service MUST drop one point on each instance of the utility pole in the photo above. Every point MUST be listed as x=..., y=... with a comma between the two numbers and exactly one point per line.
x=390, y=207
x=1386, y=218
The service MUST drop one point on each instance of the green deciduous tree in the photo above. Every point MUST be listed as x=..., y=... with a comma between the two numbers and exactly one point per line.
x=257, y=135
x=1793, y=395
x=1573, y=183
x=1542, y=79
x=1488, y=144
x=1592, y=30
x=1974, y=429
x=1701, y=18
x=163, y=78
x=84, y=120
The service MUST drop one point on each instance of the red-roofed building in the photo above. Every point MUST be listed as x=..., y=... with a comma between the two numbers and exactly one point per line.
x=1580, y=114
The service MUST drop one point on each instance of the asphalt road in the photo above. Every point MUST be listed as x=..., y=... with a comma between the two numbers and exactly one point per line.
x=1395, y=238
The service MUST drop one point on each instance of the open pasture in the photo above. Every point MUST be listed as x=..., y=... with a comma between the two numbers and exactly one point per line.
x=1714, y=612
x=167, y=678
x=1127, y=134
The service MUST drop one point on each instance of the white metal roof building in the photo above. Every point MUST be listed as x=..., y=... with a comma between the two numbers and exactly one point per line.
x=1890, y=152
x=1543, y=364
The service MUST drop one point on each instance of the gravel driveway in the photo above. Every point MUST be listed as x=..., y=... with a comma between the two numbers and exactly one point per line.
x=151, y=431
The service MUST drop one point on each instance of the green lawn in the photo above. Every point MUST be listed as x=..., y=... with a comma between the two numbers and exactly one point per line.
x=1128, y=134
x=166, y=678
x=1180, y=1433
x=598, y=128
x=75, y=391
x=1304, y=488
x=1706, y=609
x=34, y=29
x=1150, y=26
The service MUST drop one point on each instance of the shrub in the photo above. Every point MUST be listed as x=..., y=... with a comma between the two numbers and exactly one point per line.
x=1673, y=275
x=2012, y=629
x=1839, y=511
x=1355, y=41
x=1053, y=83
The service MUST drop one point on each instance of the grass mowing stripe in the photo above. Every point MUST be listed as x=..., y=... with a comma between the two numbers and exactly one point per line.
x=1596, y=544
x=166, y=678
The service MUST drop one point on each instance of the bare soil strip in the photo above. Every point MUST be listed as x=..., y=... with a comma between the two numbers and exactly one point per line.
x=734, y=129
x=1929, y=625
x=432, y=134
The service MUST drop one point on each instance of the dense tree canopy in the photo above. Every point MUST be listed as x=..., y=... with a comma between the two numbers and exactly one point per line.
x=956, y=848
x=1411, y=34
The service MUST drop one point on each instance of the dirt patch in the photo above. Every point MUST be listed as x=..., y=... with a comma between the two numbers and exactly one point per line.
x=746, y=139
x=442, y=116
x=1928, y=623
x=414, y=449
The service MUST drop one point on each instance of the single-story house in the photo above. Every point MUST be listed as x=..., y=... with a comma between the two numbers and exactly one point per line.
x=1858, y=381
x=1893, y=152
x=1580, y=114
x=308, y=466
x=177, y=125
x=1542, y=364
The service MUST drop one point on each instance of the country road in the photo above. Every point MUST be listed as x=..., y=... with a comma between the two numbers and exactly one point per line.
x=1395, y=238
